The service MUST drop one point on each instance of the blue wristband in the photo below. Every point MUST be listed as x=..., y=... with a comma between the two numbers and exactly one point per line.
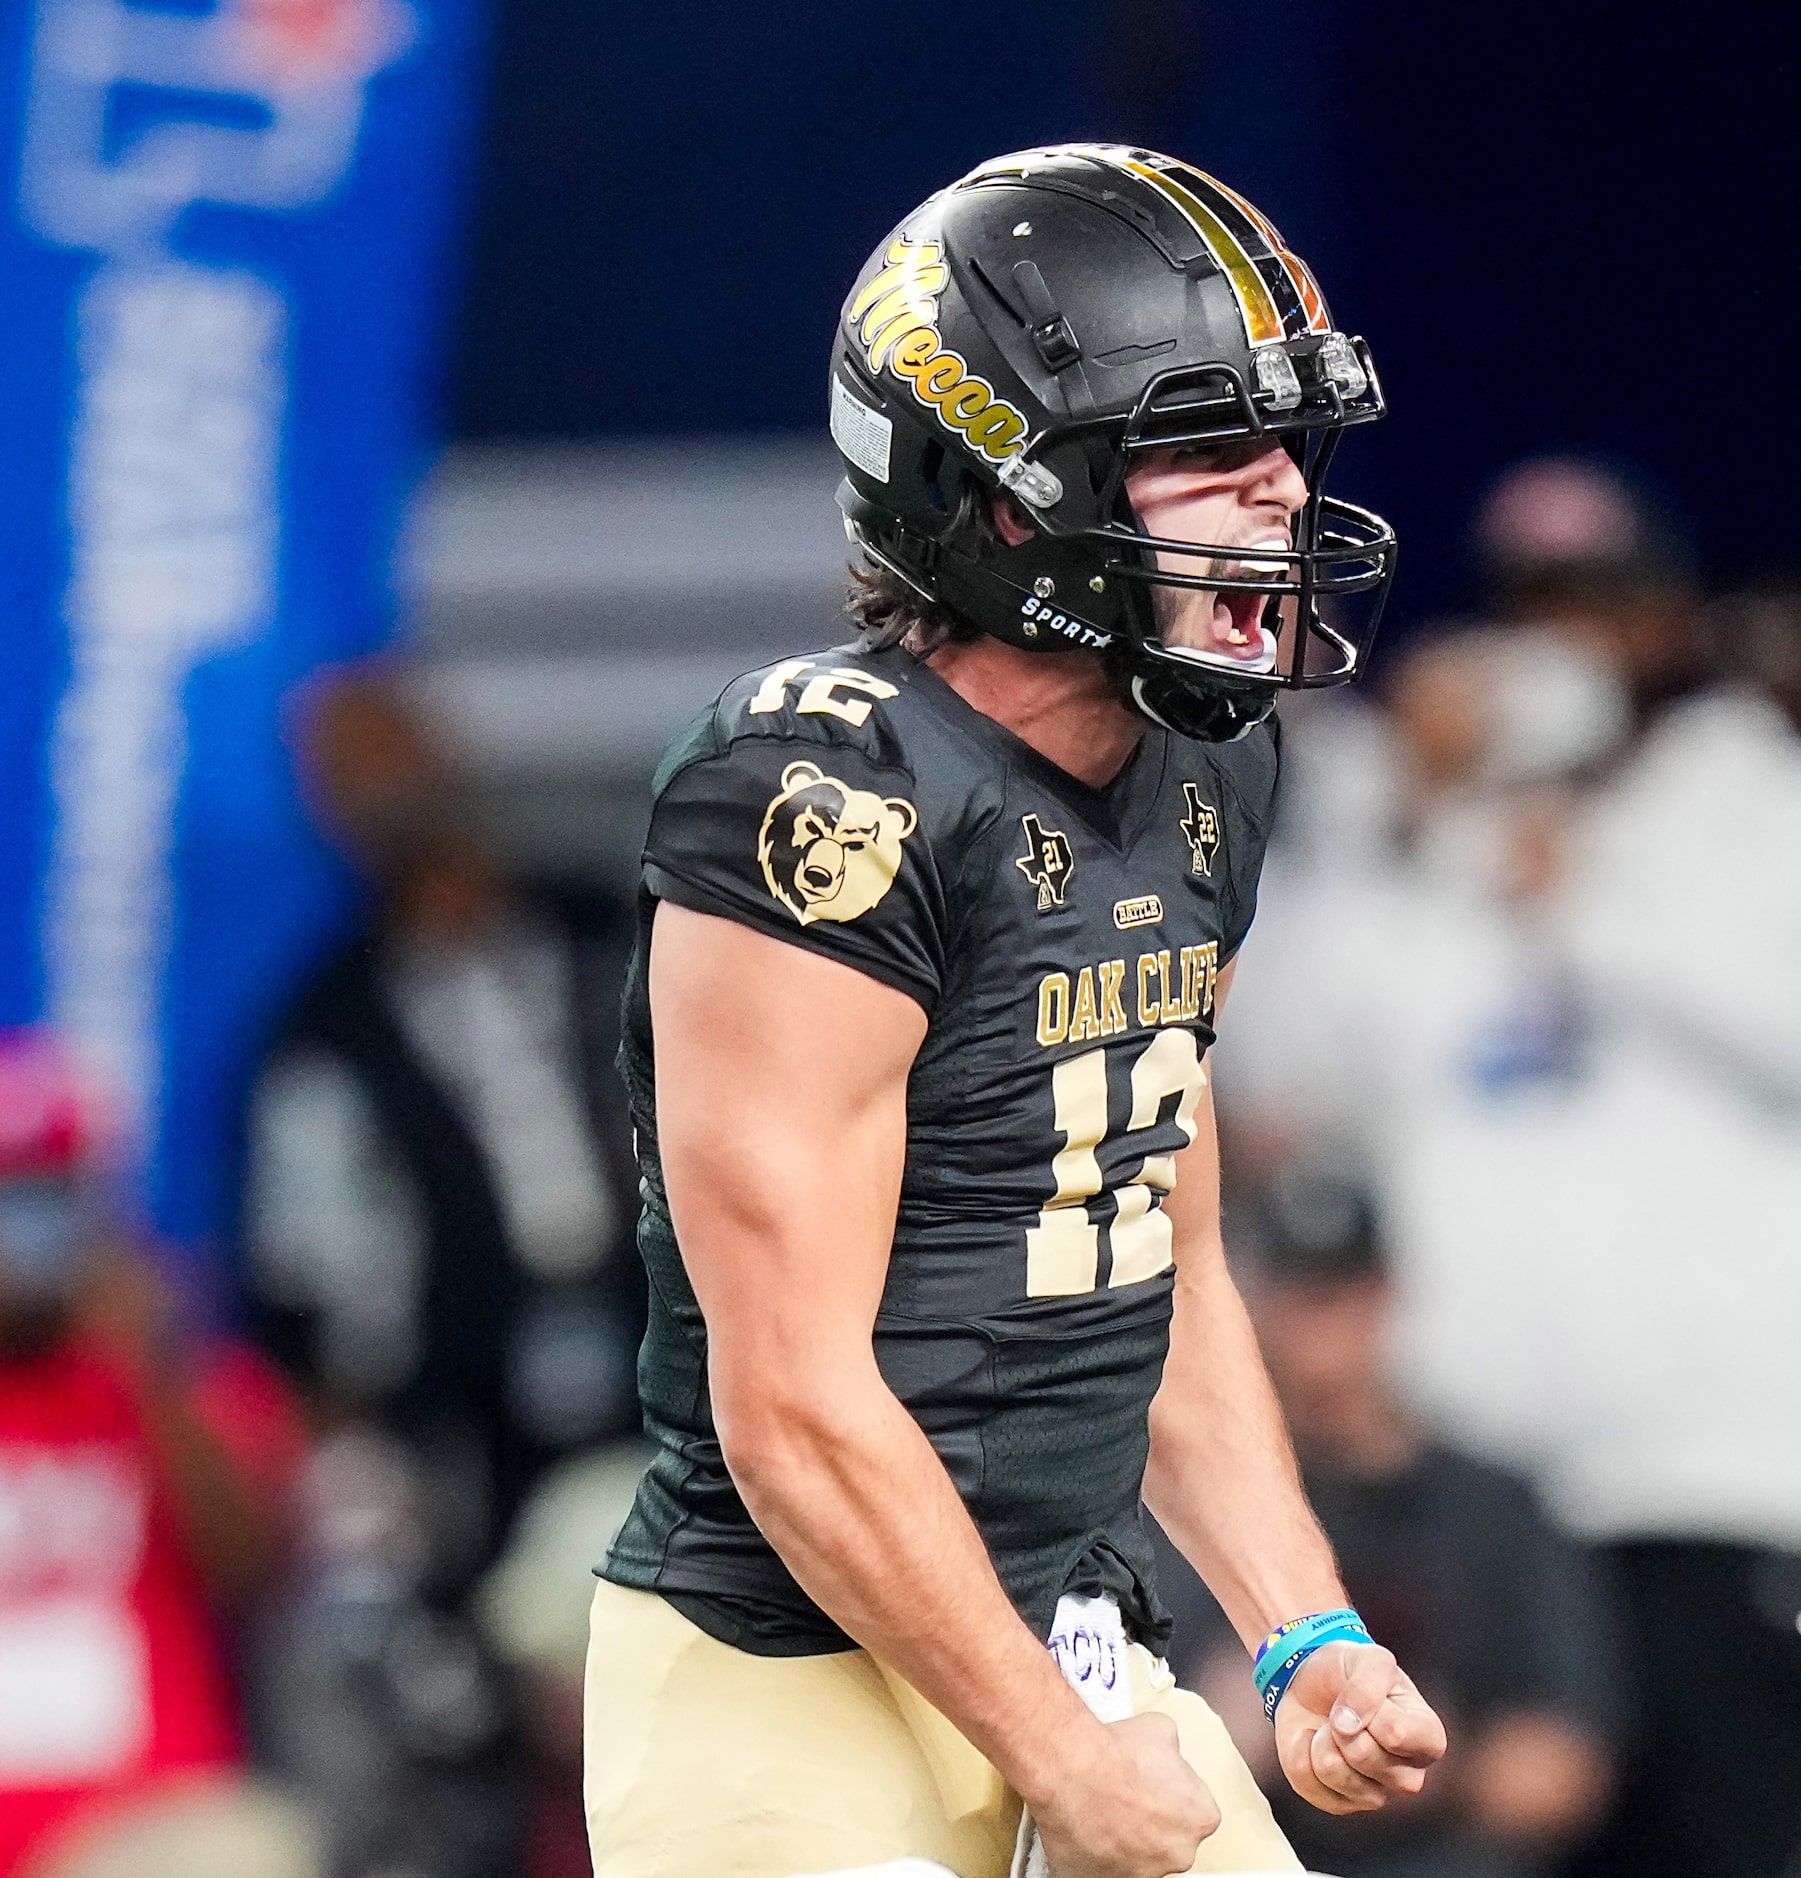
x=1285, y=1650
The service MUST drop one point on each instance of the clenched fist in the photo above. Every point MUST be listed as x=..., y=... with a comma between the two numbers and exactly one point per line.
x=1352, y=1729
x=1137, y=1810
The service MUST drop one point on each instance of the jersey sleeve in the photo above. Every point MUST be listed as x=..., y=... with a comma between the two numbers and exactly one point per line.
x=810, y=837
x=1248, y=771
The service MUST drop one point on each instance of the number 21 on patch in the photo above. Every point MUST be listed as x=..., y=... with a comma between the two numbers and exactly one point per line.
x=1063, y=1251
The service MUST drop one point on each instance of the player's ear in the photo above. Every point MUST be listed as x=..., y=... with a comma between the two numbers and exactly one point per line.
x=1009, y=519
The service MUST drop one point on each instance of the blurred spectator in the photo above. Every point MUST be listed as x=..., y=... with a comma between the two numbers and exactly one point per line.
x=534, y=1612
x=1400, y=928
x=1575, y=546
x=1591, y=627
x=1758, y=628
x=1591, y=624
x=1567, y=1038
x=437, y=1209
x=437, y=1215
x=377, y=1700
x=1678, y=1445
x=143, y=1495
x=1452, y=1561
x=1475, y=716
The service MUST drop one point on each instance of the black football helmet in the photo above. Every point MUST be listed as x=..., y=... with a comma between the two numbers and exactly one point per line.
x=1034, y=328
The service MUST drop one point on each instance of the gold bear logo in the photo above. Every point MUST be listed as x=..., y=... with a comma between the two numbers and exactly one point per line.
x=829, y=851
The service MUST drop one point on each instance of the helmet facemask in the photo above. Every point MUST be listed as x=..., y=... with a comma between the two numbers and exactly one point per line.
x=1321, y=596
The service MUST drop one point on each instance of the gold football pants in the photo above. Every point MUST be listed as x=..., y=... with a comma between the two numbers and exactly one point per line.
x=704, y=1761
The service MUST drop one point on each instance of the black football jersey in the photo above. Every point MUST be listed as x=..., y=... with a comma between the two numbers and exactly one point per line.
x=1065, y=944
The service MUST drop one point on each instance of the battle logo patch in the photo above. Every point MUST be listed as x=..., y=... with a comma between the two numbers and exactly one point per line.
x=1047, y=862
x=1201, y=826
x=829, y=851
x=1145, y=910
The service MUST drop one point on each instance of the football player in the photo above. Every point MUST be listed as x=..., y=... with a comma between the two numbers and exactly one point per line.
x=935, y=933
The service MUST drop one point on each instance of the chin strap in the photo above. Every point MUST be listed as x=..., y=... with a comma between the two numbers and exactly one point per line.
x=1206, y=716
x=1038, y=623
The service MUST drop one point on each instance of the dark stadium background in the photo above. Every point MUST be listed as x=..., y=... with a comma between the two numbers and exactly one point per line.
x=1556, y=222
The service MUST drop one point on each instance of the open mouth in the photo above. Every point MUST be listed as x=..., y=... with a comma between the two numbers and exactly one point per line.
x=1237, y=627
x=1236, y=630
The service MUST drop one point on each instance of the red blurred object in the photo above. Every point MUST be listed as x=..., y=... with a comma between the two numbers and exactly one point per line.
x=51, y=1121
x=115, y=1659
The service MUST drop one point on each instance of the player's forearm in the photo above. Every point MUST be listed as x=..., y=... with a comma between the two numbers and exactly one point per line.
x=1222, y=1476
x=843, y=1483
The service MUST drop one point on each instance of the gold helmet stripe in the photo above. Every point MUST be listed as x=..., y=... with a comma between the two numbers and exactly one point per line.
x=1262, y=322
x=1313, y=302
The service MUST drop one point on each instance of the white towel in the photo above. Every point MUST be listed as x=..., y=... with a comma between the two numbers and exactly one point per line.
x=1028, y=1855
x=1089, y=1642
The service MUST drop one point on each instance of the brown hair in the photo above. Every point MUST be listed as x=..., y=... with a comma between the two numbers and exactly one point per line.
x=890, y=611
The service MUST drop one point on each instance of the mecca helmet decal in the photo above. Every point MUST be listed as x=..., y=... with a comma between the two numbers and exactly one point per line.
x=1039, y=326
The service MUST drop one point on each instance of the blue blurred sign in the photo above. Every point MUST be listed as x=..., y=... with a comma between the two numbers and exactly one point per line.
x=221, y=279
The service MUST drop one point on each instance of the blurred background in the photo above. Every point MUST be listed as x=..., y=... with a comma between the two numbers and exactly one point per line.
x=414, y=413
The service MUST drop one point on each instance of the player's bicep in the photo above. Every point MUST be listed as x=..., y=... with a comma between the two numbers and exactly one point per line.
x=781, y=1082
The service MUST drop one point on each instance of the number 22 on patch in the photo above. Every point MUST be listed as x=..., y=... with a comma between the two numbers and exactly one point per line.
x=1063, y=1251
